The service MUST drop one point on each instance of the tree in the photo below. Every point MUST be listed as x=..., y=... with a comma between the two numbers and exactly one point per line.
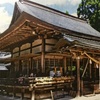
x=67, y=12
x=90, y=10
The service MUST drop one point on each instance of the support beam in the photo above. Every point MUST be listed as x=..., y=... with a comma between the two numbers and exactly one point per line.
x=78, y=76
x=85, y=69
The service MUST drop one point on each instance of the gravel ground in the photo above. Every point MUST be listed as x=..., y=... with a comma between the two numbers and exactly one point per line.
x=88, y=97
x=9, y=98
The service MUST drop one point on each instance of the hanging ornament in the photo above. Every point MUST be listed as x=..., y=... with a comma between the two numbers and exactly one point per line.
x=97, y=66
x=90, y=61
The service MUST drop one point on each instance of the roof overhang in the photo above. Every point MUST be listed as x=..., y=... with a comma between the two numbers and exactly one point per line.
x=71, y=42
x=3, y=67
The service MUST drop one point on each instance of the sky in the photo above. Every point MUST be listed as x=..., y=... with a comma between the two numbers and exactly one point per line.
x=7, y=7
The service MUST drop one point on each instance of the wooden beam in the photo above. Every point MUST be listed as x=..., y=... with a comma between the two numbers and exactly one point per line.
x=85, y=68
x=93, y=51
x=59, y=54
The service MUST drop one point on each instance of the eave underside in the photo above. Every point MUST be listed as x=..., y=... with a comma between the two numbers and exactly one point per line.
x=26, y=27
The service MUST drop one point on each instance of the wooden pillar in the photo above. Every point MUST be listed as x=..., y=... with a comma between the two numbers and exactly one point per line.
x=20, y=62
x=37, y=65
x=43, y=56
x=14, y=92
x=90, y=69
x=99, y=76
x=78, y=76
x=99, y=73
x=11, y=63
x=22, y=93
x=65, y=62
x=82, y=87
x=30, y=47
x=31, y=59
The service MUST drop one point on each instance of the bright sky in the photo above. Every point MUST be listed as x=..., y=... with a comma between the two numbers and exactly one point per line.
x=7, y=6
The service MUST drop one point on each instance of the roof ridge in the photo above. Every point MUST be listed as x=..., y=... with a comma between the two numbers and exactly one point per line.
x=54, y=10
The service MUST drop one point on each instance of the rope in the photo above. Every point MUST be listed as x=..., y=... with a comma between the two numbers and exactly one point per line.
x=96, y=61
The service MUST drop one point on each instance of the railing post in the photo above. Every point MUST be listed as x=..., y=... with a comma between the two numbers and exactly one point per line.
x=33, y=95
x=22, y=93
x=82, y=87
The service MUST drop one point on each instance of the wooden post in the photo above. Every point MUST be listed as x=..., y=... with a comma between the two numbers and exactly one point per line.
x=99, y=73
x=22, y=93
x=78, y=76
x=90, y=69
x=99, y=76
x=82, y=87
x=20, y=62
x=52, y=96
x=43, y=55
x=37, y=65
x=33, y=95
x=14, y=92
x=31, y=59
x=65, y=62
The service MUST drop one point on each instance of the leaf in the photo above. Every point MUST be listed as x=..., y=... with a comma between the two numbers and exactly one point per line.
x=90, y=9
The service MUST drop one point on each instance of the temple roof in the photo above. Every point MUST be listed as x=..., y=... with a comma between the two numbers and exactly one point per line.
x=29, y=17
x=77, y=41
x=57, y=18
x=73, y=41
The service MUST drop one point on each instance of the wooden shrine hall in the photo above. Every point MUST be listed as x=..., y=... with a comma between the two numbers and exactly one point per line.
x=50, y=51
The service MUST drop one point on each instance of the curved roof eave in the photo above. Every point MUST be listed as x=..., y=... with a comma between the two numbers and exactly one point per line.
x=24, y=10
x=20, y=21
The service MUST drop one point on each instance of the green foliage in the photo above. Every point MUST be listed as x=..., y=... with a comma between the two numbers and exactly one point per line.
x=67, y=12
x=90, y=10
x=71, y=68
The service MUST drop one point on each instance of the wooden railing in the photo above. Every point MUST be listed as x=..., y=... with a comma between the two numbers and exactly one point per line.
x=36, y=84
x=34, y=80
